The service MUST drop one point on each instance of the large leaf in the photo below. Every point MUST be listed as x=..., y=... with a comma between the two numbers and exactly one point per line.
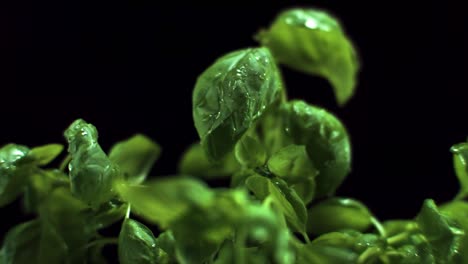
x=313, y=42
x=137, y=244
x=135, y=157
x=326, y=140
x=92, y=173
x=14, y=171
x=231, y=95
x=162, y=201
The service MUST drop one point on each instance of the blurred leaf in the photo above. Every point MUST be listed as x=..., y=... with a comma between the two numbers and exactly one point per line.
x=135, y=157
x=164, y=200
x=337, y=214
x=195, y=162
x=250, y=152
x=45, y=154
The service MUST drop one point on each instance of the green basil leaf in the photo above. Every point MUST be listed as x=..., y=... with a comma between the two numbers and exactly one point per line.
x=39, y=186
x=43, y=155
x=92, y=173
x=166, y=243
x=231, y=95
x=52, y=247
x=292, y=164
x=135, y=157
x=250, y=152
x=65, y=214
x=326, y=140
x=14, y=172
x=315, y=253
x=20, y=245
x=194, y=162
x=460, y=159
x=108, y=214
x=314, y=42
x=199, y=234
x=305, y=189
x=457, y=211
x=137, y=243
x=284, y=197
x=162, y=201
x=337, y=214
x=442, y=234
x=398, y=226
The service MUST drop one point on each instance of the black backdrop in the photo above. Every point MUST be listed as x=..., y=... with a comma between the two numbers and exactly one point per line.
x=130, y=67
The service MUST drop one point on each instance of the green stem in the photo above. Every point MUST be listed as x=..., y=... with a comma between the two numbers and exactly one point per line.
x=64, y=163
x=379, y=227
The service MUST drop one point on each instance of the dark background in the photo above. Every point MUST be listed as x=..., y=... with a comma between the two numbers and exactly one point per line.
x=130, y=67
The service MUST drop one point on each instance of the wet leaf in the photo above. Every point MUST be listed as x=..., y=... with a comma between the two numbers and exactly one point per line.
x=326, y=141
x=137, y=244
x=231, y=95
x=92, y=173
x=313, y=41
x=15, y=168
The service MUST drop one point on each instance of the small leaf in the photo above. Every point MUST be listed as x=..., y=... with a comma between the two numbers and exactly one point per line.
x=135, y=157
x=442, y=234
x=337, y=214
x=249, y=152
x=43, y=155
x=284, y=197
x=137, y=244
x=460, y=159
x=292, y=164
x=92, y=173
x=312, y=41
x=231, y=95
x=326, y=141
x=194, y=162
x=162, y=201
x=14, y=172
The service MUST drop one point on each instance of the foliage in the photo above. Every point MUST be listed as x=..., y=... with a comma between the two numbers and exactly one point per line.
x=284, y=158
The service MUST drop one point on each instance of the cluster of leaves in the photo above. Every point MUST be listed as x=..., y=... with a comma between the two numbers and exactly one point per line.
x=284, y=160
